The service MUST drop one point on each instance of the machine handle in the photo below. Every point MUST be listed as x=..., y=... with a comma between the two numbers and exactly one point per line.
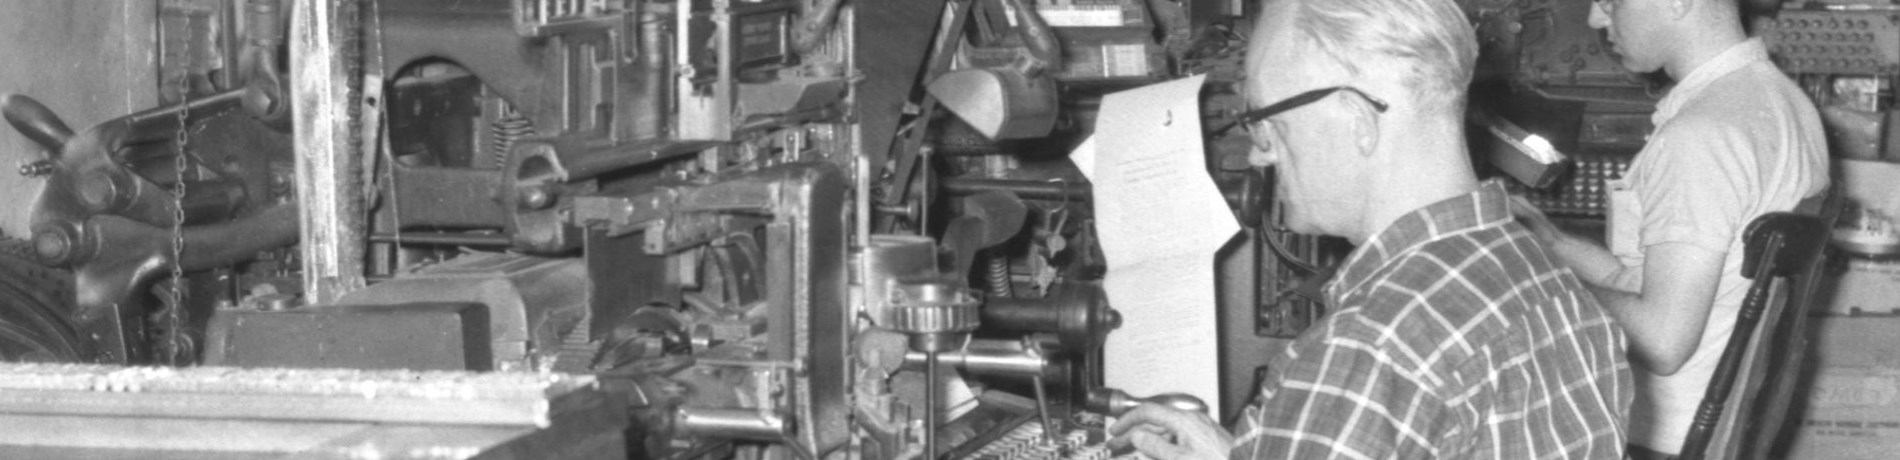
x=1116, y=402
x=36, y=122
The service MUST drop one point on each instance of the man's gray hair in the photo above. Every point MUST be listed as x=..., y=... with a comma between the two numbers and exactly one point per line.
x=1432, y=39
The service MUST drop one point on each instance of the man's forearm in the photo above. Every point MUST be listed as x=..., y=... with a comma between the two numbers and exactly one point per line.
x=1664, y=321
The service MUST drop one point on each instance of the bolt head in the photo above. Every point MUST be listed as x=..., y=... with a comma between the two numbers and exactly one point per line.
x=104, y=191
x=62, y=244
x=536, y=198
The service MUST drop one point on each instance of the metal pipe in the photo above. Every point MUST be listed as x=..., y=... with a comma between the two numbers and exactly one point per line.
x=747, y=424
x=1026, y=189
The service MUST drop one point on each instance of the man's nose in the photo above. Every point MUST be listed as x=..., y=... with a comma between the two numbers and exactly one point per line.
x=1599, y=19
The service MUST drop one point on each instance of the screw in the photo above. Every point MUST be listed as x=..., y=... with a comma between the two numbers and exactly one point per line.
x=37, y=169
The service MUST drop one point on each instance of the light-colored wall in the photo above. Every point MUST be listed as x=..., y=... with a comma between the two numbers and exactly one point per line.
x=88, y=60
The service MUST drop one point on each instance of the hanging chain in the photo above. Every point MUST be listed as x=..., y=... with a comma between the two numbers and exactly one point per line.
x=176, y=344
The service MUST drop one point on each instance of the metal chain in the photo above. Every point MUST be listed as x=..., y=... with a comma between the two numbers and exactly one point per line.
x=174, y=316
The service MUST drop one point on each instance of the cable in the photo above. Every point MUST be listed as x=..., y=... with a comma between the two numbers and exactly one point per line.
x=1279, y=249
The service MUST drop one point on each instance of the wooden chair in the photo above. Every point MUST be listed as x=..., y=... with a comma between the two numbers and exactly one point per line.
x=1783, y=255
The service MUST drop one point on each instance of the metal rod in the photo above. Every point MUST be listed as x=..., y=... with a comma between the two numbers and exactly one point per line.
x=1034, y=190
x=202, y=107
x=930, y=405
x=740, y=423
x=1042, y=190
x=454, y=239
x=1042, y=408
x=989, y=357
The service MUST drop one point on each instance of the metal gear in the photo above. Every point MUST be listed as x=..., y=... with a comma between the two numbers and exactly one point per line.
x=936, y=314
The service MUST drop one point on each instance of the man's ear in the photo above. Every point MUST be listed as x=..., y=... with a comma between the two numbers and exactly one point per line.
x=1364, y=126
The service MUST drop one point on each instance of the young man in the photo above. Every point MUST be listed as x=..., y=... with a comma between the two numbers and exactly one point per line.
x=1450, y=333
x=1734, y=139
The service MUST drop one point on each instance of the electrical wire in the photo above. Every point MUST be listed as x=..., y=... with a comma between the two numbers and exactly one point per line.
x=1272, y=227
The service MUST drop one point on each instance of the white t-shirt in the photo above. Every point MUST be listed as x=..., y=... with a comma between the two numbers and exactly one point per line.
x=1733, y=140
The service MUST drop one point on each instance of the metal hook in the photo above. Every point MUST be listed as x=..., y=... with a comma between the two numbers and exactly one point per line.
x=1065, y=194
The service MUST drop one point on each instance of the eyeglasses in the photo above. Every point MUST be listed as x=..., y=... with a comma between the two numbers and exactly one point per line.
x=1248, y=118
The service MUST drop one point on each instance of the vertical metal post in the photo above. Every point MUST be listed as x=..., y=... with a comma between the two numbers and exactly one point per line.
x=326, y=85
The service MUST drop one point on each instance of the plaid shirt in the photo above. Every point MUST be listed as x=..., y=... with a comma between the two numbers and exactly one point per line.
x=1451, y=334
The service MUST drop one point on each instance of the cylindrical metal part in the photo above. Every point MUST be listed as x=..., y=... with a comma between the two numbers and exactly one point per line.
x=265, y=25
x=451, y=239
x=165, y=119
x=990, y=357
x=931, y=405
x=748, y=424
x=1249, y=195
x=649, y=118
x=1078, y=314
x=1042, y=410
x=910, y=210
x=1032, y=190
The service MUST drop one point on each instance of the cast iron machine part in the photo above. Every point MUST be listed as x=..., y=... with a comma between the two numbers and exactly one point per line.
x=938, y=316
x=988, y=219
x=110, y=224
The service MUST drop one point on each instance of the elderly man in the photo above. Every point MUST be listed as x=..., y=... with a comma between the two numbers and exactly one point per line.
x=1450, y=333
x=1734, y=139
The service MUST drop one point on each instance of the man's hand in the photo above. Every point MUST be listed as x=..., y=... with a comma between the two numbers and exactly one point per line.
x=1166, y=433
x=1535, y=220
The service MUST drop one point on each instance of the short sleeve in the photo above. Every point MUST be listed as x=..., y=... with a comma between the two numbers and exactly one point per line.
x=1698, y=186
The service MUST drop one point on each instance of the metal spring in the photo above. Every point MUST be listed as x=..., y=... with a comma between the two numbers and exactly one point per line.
x=503, y=133
x=999, y=279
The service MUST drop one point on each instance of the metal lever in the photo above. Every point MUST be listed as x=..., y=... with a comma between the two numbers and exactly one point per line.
x=1042, y=397
x=36, y=122
x=1116, y=402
